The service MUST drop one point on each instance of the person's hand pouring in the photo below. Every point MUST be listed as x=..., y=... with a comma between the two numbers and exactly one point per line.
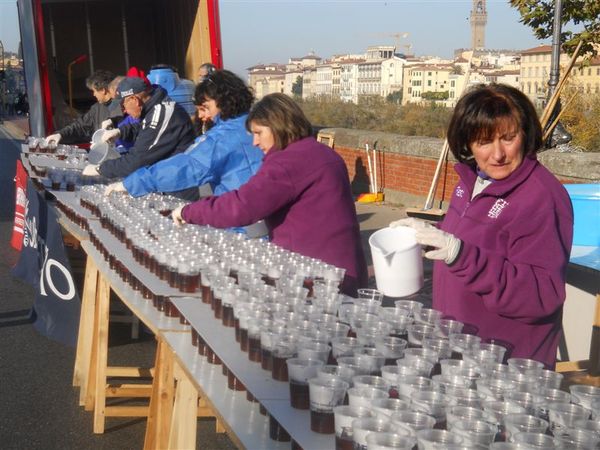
x=115, y=187
x=177, y=217
x=446, y=246
x=111, y=135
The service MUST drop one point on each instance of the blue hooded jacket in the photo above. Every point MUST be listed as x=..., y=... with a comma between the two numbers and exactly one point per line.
x=224, y=157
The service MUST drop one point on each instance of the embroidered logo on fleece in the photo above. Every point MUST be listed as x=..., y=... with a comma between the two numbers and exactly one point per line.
x=497, y=208
x=459, y=192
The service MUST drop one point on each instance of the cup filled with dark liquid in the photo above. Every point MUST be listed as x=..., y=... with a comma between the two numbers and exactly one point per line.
x=343, y=417
x=299, y=372
x=324, y=396
x=284, y=347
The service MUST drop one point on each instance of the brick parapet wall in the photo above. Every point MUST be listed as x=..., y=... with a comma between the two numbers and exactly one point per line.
x=406, y=165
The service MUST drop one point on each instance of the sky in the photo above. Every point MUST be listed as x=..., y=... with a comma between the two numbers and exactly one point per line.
x=255, y=31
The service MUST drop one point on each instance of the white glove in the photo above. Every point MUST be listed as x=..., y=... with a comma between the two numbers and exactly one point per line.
x=111, y=134
x=115, y=187
x=411, y=222
x=91, y=170
x=446, y=245
x=176, y=215
x=54, y=137
x=106, y=124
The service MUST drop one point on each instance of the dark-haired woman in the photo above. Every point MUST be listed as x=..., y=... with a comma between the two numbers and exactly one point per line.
x=224, y=157
x=302, y=191
x=503, y=247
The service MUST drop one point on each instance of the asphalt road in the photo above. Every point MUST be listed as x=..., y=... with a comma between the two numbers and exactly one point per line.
x=38, y=404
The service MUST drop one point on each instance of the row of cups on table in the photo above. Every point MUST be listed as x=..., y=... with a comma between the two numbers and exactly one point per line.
x=521, y=389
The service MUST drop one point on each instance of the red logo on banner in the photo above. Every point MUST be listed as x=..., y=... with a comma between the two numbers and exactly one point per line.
x=20, y=205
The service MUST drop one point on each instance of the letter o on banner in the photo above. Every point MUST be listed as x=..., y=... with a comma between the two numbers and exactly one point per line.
x=71, y=293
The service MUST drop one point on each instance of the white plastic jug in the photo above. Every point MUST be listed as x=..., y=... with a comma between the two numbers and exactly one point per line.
x=397, y=261
x=100, y=152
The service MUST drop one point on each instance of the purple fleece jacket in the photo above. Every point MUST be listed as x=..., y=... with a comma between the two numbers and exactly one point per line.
x=303, y=193
x=509, y=278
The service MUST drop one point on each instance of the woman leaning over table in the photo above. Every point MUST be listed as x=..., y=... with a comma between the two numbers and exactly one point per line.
x=302, y=191
x=503, y=247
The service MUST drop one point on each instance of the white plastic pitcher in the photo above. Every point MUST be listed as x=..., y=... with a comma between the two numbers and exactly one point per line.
x=397, y=261
x=101, y=152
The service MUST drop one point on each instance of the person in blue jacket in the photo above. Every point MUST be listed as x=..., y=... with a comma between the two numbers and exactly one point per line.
x=224, y=157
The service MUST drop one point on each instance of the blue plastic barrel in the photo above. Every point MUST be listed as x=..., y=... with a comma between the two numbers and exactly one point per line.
x=179, y=89
x=586, y=209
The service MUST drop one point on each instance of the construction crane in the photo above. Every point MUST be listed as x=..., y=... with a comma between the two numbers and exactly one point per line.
x=398, y=36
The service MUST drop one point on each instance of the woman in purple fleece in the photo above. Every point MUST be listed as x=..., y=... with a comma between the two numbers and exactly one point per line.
x=302, y=191
x=503, y=247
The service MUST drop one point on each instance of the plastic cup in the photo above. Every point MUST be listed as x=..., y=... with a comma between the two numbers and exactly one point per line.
x=330, y=371
x=369, y=360
x=370, y=381
x=363, y=396
x=444, y=383
x=422, y=366
x=454, y=413
x=391, y=374
x=370, y=294
x=428, y=316
x=431, y=403
x=498, y=350
x=409, y=384
x=546, y=396
x=391, y=347
x=475, y=432
x=507, y=446
x=523, y=423
x=575, y=438
x=446, y=327
x=424, y=353
x=439, y=345
x=589, y=425
x=343, y=418
x=324, y=396
x=460, y=342
x=408, y=305
x=525, y=366
x=563, y=415
x=386, y=407
x=365, y=426
x=494, y=388
x=299, y=372
x=583, y=395
x=314, y=350
x=412, y=421
x=465, y=397
x=354, y=364
x=535, y=440
x=343, y=346
x=390, y=441
x=417, y=332
x=524, y=399
x=437, y=439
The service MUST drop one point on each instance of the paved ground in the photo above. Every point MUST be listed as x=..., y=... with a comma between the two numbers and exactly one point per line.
x=39, y=406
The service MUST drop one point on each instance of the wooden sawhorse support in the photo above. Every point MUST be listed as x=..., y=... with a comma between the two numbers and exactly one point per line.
x=175, y=406
x=91, y=361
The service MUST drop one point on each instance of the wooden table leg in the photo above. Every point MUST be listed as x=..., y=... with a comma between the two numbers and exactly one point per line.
x=182, y=434
x=161, y=401
x=86, y=328
x=102, y=312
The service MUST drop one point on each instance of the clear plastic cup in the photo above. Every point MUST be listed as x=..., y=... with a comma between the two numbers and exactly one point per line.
x=444, y=383
x=363, y=396
x=525, y=366
x=432, y=403
x=409, y=384
x=324, y=396
x=343, y=346
x=439, y=345
x=592, y=425
x=523, y=423
x=370, y=294
x=583, y=395
x=498, y=350
x=474, y=432
x=422, y=366
x=574, y=438
x=460, y=342
x=497, y=411
x=391, y=374
x=314, y=350
x=437, y=439
x=548, y=379
x=408, y=305
x=454, y=366
x=354, y=364
x=417, y=332
x=494, y=388
x=507, y=446
x=412, y=421
x=343, y=417
x=370, y=381
x=330, y=371
x=546, y=396
x=446, y=327
x=386, y=407
x=454, y=413
x=465, y=397
x=524, y=399
x=369, y=360
x=390, y=441
x=391, y=347
x=362, y=427
x=535, y=440
x=425, y=353
x=299, y=372
x=428, y=316
x=563, y=415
